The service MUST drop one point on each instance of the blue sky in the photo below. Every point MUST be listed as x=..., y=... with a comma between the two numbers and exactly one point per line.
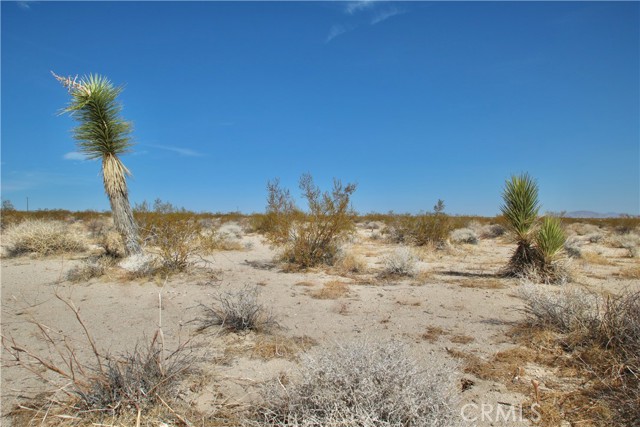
x=414, y=101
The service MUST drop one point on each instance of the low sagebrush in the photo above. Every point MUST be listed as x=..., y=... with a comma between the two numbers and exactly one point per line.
x=362, y=384
x=401, y=262
x=464, y=235
x=567, y=309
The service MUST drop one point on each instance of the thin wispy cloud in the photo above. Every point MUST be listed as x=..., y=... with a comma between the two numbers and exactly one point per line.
x=383, y=15
x=358, y=6
x=337, y=30
x=186, y=152
x=26, y=180
x=74, y=155
x=24, y=5
x=366, y=12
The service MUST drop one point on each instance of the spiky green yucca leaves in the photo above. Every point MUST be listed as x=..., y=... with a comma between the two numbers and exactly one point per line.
x=538, y=244
x=521, y=205
x=103, y=134
x=550, y=239
x=101, y=130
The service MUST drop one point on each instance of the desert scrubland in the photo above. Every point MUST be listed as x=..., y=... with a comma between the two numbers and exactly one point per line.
x=233, y=334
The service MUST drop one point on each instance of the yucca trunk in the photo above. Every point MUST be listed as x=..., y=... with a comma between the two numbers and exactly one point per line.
x=115, y=185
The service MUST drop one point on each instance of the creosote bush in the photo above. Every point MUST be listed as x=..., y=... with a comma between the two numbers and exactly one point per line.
x=174, y=237
x=43, y=238
x=362, y=384
x=431, y=228
x=313, y=237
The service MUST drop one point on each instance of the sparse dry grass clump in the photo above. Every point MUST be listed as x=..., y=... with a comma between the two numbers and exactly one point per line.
x=237, y=311
x=348, y=262
x=362, y=384
x=43, y=238
x=111, y=242
x=90, y=268
x=399, y=263
x=570, y=308
x=602, y=339
x=331, y=290
x=119, y=390
x=281, y=347
x=464, y=235
x=630, y=273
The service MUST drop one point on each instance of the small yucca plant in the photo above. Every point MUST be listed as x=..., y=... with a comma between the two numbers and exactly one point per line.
x=550, y=239
x=520, y=210
x=539, y=244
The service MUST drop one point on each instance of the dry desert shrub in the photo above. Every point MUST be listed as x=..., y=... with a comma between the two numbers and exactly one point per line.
x=401, y=262
x=90, y=268
x=628, y=241
x=491, y=231
x=583, y=229
x=567, y=309
x=132, y=386
x=572, y=247
x=175, y=238
x=331, y=290
x=428, y=229
x=630, y=273
x=464, y=235
x=349, y=262
x=111, y=243
x=282, y=347
x=313, y=237
x=362, y=384
x=237, y=311
x=43, y=238
x=602, y=340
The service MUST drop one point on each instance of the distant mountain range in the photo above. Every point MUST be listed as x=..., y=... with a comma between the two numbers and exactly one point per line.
x=590, y=214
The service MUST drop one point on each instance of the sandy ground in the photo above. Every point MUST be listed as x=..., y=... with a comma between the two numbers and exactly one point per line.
x=456, y=290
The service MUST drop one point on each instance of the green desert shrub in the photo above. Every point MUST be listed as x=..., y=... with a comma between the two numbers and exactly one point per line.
x=175, y=238
x=431, y=228
x=312, y=237
x=43, y=238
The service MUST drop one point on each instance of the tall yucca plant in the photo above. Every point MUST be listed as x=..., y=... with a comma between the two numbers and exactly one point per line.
x=520, y=210
x=103, y=134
